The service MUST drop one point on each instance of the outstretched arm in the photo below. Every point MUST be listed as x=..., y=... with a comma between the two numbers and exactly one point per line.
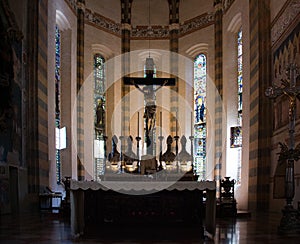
x=165, y=82
x=137, y=86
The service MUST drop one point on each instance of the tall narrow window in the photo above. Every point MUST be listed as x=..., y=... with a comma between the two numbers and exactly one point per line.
x=240, y=102
x=57, y=100
x=200, y=116
x=99, y=108
x=240, y=76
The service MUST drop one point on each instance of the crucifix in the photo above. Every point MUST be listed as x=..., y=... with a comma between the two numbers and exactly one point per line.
x=290, y=220
x=149, y=90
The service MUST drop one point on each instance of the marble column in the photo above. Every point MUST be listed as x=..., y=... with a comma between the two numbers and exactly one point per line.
x=125, y=46
x=37, y=144
x=219, y=89
x=80, y=96
x=174, y=32
x=260, y=106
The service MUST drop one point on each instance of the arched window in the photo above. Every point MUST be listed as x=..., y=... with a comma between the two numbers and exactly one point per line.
x=238, y=135
x=240, y=75
x=57, y=101
x=200, y=116
x=99, y=76
x=100, y=113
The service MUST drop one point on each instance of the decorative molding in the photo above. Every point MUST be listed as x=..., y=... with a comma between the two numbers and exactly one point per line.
x=146, y=32
x=72, y=4
x=227, y=4
x=102, y=23
x=196, y=23
x=150, y=32
x=287, y=17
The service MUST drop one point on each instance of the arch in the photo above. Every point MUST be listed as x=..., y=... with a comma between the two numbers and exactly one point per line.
x=235, y=23
x=153, y=54
x=105, y=51
x=61, y=21
x=196, y=49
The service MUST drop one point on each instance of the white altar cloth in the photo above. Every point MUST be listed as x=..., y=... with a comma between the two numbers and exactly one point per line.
x=147, y=186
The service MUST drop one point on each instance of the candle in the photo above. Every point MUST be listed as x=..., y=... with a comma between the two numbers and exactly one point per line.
x=138, y=124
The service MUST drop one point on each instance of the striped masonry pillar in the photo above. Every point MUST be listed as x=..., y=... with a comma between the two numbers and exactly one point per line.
x=80, y=96
x=126, y=29
x=37, y=133
x=174, y=31
x=219, y=90
x=260, y=105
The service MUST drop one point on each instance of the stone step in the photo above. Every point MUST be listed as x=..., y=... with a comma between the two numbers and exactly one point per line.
x=243, y=214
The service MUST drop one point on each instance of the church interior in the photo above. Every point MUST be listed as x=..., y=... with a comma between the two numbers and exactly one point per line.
x=133, y=112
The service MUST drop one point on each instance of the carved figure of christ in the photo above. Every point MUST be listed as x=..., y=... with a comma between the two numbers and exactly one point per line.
x=149, y=91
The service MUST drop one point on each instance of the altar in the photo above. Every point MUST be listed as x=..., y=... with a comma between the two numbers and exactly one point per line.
x=142, y=202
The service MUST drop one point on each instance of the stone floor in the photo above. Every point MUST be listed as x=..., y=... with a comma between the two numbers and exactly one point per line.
x=46, y=228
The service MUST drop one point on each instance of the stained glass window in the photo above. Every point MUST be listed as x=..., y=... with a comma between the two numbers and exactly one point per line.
x=236, y=136
x=57, y=97
x=100, y=114
x=240, y=76
x=99, y=95
x=200, y=116
x=236, y=133
x=99, y=76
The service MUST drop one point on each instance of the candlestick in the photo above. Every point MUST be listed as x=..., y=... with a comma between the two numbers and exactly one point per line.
x=289, y=222
x=176, y=123
x=191, y=123
x=138, y=124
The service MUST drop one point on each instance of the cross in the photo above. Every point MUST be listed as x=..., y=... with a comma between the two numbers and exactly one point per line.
x=289, y=88
x=290, y=154
x=149, y=92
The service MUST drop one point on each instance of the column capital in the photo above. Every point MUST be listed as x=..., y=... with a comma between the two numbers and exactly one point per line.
x=81, y=6
x=218, y=5
x=126, y=26
x=174, y=26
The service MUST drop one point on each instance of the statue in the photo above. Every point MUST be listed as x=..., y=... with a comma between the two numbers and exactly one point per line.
x=168, y=157
x=129, y=155
x=100, y=117
x=149, y=82
x=114, y=155
x=289, y=154
x=150, y=107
